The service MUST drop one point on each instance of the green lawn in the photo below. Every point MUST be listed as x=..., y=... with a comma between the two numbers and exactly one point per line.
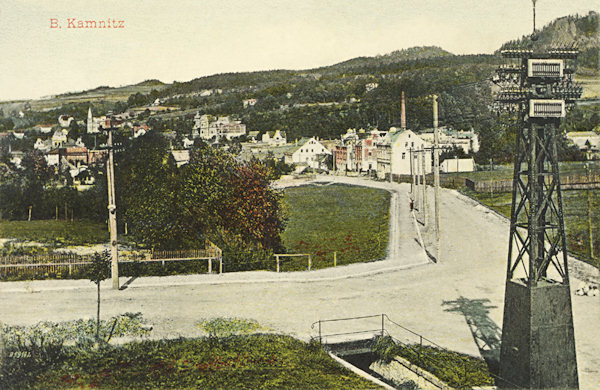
x=55, y=233
x=352, y=221
x=255, y=361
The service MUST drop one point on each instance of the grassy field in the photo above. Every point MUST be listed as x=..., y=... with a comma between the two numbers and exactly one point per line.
x=352, y=221
x=243, y=359
x=55, y=233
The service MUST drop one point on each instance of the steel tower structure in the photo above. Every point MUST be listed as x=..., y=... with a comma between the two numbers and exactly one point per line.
x=538, y=347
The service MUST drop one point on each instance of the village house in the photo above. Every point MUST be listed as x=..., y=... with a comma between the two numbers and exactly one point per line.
x=397, y=153
x=357, y=151
x=44, y=128
x=449, y=138
x=206, y=127
x=587, y=142
x=308, y=152
x=181, y=157
x=65, y=120
x=74, y=156
x=249, y=102
x=276, y=137
x=59, y=138
x=43, y=145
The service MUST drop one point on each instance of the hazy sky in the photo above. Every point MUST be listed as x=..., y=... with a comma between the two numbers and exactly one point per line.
x=182, y=40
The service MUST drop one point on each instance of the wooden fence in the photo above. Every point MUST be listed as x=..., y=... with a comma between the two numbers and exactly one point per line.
x=42, y=264
x=567, y=182
x=70, y=264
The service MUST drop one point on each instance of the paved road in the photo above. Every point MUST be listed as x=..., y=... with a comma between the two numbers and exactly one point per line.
x=429, y=298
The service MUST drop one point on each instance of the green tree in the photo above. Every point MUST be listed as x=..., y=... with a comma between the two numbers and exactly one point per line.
x=98, y=271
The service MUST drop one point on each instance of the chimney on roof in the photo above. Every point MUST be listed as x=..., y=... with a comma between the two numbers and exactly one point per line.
x=403, y=114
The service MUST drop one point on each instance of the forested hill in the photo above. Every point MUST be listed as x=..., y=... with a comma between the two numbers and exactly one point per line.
x=581, y=32
x=362, y=92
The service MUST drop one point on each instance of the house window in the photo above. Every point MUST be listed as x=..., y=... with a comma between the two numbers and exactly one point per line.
x=412, y=144
x=403, y=155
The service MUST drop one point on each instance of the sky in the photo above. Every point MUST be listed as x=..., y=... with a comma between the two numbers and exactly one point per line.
x=184, y=39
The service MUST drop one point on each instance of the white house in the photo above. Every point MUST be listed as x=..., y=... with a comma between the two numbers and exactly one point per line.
x=276, y=137
x=457, y=165
x=217, y=128
x=398, y=149
x=65, y=120
x=181, y=157
x=59, y=138
x=43, y=146
x=44, y=128
x=308, y=152
x=468, y=141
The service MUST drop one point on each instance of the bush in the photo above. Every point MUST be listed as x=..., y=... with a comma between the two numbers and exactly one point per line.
x=31, y=350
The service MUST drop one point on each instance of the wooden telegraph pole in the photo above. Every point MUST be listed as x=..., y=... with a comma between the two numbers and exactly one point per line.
x=589, y=199
x=424, y=173
x=436, y=174
x=112, y=213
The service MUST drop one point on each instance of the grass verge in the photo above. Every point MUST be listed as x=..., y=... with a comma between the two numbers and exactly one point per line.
x=349, y=220
x=456, y=369
x=237, y=361
x=55, y=233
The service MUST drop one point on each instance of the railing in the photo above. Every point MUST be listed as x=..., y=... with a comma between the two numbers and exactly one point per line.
x=410, y=340
x=279, y=255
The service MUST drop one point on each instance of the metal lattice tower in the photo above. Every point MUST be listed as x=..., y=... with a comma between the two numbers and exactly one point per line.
x=538, y=348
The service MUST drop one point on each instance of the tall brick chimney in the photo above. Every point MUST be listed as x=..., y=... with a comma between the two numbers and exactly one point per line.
x=403, y=114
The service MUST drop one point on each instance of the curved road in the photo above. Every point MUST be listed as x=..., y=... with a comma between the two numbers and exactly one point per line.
x=432, y=299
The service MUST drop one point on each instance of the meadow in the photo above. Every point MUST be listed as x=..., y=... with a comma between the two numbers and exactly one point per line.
x=351, y=221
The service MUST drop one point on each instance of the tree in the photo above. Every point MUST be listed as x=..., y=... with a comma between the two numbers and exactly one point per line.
x=99, y=270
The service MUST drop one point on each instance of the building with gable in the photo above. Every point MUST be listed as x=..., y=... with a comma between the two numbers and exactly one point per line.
x=397, y=153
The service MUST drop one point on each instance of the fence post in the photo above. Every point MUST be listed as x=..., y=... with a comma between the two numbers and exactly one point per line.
x=220, y=265
x=320, y=340
x=210, y=266
x=420, y=347
x=382, y=325
x=335, y=259
x=277, y=259
x=309, y=261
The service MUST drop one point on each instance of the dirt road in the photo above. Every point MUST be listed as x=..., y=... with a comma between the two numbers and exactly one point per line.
x=431, y=299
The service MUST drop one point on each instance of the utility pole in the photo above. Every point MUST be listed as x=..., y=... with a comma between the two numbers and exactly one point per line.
x=412, y=173
x=424, y=172
x=436, y=174
x=589, y=199
x=112, y=213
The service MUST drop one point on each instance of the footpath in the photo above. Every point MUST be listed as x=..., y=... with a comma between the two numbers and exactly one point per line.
x=403, y=252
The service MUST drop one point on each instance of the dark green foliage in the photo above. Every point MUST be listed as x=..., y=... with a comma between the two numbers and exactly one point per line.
x=456, y=369
x=212, y=197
